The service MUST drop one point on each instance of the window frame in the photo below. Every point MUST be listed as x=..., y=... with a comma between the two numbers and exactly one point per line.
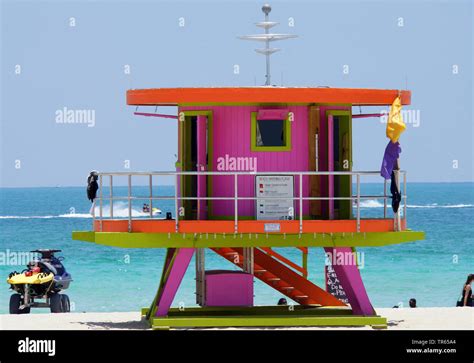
x=253, y=135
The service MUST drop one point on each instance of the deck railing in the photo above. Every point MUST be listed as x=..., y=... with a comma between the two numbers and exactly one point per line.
x=357, y=198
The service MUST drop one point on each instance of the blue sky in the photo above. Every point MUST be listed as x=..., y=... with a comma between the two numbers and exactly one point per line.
x=82, y=67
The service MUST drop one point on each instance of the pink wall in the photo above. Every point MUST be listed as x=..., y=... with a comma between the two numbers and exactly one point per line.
x=231, y=135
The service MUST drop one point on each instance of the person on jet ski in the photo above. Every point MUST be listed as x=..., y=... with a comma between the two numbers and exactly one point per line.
x=146, y=208
x=92, y=185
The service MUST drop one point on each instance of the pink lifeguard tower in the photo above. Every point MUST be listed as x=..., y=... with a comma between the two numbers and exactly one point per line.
x=258, y=168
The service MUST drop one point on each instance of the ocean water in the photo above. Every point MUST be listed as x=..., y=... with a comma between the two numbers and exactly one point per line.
x=113, y=279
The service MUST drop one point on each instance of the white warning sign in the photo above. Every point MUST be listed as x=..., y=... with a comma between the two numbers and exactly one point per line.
x=275, y=186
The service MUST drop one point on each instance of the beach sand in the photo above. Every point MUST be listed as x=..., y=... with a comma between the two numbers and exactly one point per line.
x=405, y=319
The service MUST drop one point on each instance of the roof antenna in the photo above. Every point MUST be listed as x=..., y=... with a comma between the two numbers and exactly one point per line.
x=267, y=38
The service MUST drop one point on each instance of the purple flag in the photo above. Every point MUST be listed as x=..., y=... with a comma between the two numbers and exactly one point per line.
x=392, y=152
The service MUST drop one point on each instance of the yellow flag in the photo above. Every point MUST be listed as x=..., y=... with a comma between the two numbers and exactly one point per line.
x=395, y=124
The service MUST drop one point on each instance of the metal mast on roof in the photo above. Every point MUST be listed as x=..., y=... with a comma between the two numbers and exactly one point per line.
x=267, y=38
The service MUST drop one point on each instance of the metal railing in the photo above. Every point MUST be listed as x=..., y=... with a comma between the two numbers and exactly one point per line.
x=357, y=198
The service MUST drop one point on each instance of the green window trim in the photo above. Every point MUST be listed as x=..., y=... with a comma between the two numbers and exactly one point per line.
x=253, y=136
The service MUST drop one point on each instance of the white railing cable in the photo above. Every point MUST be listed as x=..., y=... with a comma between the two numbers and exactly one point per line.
x=129, y=202
x=301, y=203
x=358, y=202
x=405, y=198
x=286, y=173
x=176, y=206
x=111, y=193
x=93, y=213
x=150, y=180
x=236, y=205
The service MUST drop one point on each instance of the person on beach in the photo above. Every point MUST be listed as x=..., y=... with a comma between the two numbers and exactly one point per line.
x=412, y=303
x=466, y=294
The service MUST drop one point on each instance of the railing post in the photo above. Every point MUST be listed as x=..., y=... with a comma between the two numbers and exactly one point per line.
x=301, y=203
x=397, y=215
x=304, y=264
x=150, y=177
x=93, y=214
x=100, y=201
x=176, y=208
x=358, y=202
x=316, y=152
x=129, y=202
x=111, y=197
x=236, y=205
x=405, y=198
x=384, y=198
x=248, y=263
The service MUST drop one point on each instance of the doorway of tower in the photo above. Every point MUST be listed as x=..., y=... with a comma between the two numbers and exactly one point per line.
x=339, y=158
x=194, y=156
x=330, y=150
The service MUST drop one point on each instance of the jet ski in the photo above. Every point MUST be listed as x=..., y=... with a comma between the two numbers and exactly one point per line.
x=44, y=278
x=154, y=211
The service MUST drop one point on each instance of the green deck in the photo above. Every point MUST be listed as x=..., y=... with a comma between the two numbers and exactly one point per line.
x=170, y=240
x=263, y=316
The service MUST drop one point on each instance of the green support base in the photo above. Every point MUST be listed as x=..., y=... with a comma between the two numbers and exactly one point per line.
x=264, y=316
x=203, y=240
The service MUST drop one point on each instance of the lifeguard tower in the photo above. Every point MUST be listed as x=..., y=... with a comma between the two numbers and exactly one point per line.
x=258, y=168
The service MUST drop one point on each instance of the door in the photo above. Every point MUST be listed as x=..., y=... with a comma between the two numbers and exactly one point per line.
x=189, y=182
x=314, y=161
x=194, y=152
x=202, y=152
x=332, y=149
x=339, y=159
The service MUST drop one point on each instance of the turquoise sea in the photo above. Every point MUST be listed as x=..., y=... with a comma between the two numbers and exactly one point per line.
x=112, y=279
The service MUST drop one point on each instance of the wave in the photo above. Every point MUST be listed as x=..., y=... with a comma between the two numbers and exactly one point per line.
x=69, y=215
x=435, y=205
x=373, y=203
x=120, y=211
x=28, y=217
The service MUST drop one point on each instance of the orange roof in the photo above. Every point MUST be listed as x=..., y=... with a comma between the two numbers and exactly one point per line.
x=242, y=95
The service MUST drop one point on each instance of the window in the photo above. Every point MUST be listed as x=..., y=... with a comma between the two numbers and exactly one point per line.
x=270, y=134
